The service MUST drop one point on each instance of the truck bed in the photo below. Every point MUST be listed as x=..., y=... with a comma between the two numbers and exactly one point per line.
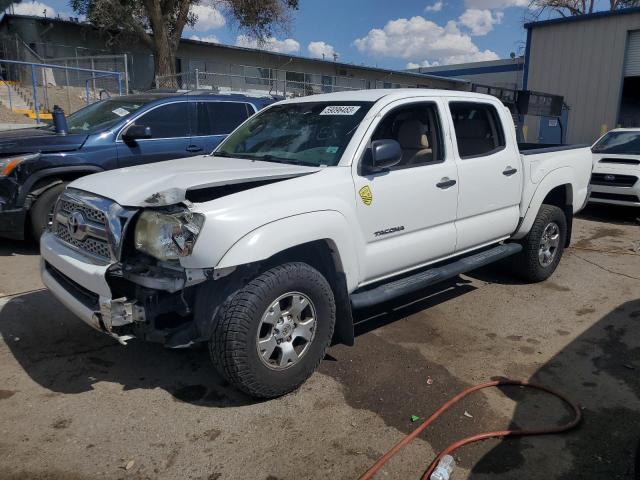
x=534, y=148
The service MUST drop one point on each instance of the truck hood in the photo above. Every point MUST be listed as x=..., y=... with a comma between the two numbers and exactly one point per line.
x=34, y=140
x=168, y=183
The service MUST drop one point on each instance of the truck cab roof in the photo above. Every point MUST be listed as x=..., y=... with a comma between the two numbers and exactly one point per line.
x=389, y=93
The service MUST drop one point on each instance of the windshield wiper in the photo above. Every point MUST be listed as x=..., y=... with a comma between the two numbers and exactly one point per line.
x=272, y=158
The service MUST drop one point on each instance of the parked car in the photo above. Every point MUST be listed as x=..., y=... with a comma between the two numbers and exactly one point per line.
x=37, y=163
x=314, y=206
x=616, y=168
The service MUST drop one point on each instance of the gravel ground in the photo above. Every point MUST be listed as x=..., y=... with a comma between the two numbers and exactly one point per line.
x=76, y=405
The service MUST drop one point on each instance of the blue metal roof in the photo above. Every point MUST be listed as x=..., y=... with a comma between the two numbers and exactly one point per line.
x=579, y=18
x=514, y=67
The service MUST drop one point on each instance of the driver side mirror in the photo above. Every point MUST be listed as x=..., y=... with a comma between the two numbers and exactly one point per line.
x=382, y=155
x=136, y=132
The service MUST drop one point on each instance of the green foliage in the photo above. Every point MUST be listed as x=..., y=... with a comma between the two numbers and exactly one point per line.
x=160, y=23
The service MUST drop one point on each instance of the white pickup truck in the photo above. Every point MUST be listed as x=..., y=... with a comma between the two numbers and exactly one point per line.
x=309, y=209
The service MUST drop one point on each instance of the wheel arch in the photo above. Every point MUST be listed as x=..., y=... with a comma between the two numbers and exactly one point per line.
x=322, y=239
x=44, y=179
x=324, y=257
x=557, y=189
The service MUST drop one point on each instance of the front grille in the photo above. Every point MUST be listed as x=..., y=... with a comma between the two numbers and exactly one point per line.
x=93, y=246
x=91, y=221
x=621, y=161
x=615, y=196
x=91, y=213
x=613, y=180
x=84, y=296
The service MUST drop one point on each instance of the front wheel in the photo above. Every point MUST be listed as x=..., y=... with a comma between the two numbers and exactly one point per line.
x=543, y=246
x=41, y=214
x=271, y=335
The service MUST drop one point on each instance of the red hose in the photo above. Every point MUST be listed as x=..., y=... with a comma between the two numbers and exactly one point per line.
x=480, y=436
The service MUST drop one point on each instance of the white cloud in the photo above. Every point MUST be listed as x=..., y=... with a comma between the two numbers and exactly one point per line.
x=492, y=4
x=436, y=7
x=208, y=18
x=480, y=22
x=206, y=38
x=272, y=44
x=321, y=50
x=425, y=63
x=33, y=8
x=419, y=40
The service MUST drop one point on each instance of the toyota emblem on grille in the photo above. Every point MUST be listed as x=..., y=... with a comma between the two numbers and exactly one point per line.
x=610, y=178
x=77, y=225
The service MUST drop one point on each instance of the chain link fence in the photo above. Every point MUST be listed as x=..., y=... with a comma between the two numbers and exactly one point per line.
x=33, y=89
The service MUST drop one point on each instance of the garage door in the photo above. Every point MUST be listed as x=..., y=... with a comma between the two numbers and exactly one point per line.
x=632, y=56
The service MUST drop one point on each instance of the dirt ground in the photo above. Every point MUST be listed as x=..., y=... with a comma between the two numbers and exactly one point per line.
x=75, y=404
x=8, y=116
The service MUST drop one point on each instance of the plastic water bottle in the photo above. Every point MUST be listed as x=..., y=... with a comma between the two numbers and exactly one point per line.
x=444, y=468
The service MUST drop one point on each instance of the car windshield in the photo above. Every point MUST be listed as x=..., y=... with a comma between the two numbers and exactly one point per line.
x=305, y=133
x=619, y=143
x=101, y=115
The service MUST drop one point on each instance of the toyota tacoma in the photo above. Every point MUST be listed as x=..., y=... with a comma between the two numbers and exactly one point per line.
x=310, y=209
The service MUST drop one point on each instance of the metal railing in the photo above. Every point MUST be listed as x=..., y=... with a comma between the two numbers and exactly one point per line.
x=39, y=86
x=271, y=81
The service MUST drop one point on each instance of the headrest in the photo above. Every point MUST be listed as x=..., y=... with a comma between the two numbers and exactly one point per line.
x=413, y=134
x=475, y=127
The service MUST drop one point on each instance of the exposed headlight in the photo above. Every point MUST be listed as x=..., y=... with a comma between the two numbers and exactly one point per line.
x=167, y=236
x=7, y=165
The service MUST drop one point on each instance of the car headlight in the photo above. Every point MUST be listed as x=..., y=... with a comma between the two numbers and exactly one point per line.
x=7, y=165
x=167, y=236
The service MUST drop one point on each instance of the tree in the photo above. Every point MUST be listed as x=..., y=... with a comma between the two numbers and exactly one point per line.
x=159, y=23
x=568, y=8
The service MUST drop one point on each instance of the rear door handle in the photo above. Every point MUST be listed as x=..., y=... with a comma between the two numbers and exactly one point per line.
x=509, y=171
x=194, y=148
x=445, y=183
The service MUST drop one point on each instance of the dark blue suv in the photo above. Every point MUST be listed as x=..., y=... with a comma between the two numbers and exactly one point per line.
x=37, y=163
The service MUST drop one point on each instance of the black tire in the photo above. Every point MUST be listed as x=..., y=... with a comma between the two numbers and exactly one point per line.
x=527, y=264
x=42, y=209
x=234, y=342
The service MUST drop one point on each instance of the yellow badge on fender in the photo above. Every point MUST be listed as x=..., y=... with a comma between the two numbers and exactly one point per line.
x=366, y=195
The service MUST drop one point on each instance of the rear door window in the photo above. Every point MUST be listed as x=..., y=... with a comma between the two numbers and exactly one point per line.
x=478, y=129
x=221, y=118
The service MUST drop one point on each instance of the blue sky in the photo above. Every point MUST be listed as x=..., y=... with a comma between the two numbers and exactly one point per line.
x=391, y=34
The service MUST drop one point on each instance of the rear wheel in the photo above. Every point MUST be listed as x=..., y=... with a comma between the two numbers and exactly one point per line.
x=271, y=335
x=41, y=213
x=543, y=246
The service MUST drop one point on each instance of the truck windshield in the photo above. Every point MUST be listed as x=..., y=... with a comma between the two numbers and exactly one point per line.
x=305, y=133
x=619, y=143
x=101, y=115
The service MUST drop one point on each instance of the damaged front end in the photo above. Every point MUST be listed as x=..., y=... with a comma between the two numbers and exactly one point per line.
x=118, y=268
x=157, y=300
x=151, y=278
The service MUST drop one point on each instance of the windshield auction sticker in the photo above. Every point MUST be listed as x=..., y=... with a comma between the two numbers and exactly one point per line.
x=121, y=112
x=340, y=110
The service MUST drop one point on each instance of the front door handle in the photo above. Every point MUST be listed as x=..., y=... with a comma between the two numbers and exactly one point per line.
x=507, y=172
x=194, y=148
x=445, y=183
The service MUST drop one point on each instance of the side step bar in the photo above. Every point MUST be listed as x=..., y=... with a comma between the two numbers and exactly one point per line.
x=413, y=283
